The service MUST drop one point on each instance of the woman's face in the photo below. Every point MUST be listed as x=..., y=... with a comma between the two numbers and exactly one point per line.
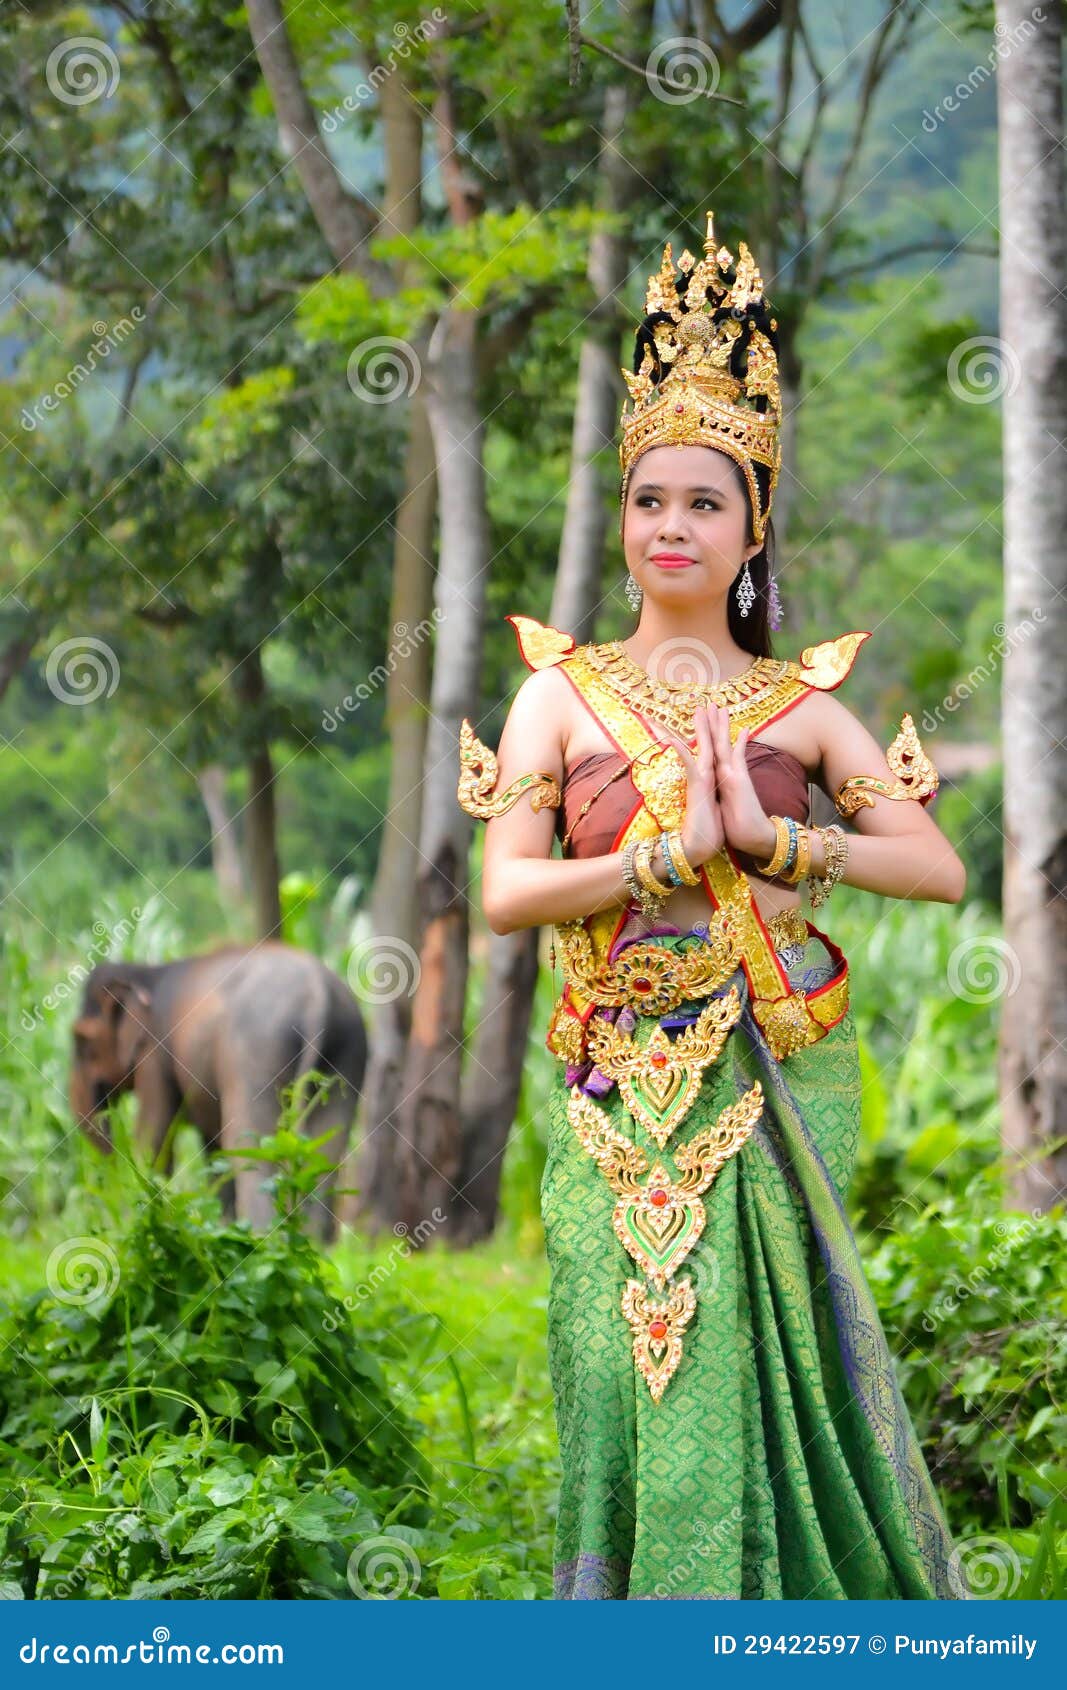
x=684, y=502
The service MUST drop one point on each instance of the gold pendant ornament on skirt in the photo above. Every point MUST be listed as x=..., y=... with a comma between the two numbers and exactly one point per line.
x=648, y=978
x=659, y=1082
x=659, y=1218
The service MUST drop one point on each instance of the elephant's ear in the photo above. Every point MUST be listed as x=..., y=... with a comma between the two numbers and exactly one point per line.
x=121, y=989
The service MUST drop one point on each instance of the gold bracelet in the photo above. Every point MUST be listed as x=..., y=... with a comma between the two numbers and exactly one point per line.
x=644, y=872
x=835, y=844
x=803, y=862
x=680, y=860
x=633, y=885
x=781, y=847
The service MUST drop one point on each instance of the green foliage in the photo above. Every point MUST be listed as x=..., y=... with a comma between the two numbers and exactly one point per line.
x=975, y=1303
x=187, y=1410
x=927, y=1049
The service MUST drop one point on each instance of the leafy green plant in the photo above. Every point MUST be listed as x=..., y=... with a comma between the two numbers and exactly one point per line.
x=183, y=1412
x=975, y=1302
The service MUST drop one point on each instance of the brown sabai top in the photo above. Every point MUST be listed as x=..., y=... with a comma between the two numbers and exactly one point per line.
x=779, y=778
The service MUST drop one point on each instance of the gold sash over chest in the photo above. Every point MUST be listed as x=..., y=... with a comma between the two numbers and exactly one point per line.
x=789, y=1019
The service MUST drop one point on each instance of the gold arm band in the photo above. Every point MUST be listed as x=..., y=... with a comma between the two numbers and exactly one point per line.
x=916, y=775
x=478, y=776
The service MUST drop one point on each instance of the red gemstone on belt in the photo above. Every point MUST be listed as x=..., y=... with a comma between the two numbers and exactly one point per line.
x=642, y=983
x=658, y=1058
x=658, y=1197
x=657, y=1329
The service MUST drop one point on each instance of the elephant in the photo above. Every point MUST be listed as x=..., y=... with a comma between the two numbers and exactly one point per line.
x=216, y=1036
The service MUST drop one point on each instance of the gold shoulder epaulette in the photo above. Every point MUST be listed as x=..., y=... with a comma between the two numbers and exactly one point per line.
x=825, y=666
x=539, y=644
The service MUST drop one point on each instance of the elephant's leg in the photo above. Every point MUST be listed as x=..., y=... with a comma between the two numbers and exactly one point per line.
x=247, y=1119
x=158, y=1101
x=335, y=1114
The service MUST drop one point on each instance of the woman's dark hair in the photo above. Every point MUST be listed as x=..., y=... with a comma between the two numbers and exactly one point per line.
x=752, y=632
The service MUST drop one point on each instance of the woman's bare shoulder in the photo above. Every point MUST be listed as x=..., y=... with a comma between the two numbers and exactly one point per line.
x=541, y=712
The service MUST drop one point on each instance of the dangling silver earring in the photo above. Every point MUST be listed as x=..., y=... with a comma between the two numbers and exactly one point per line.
x=746, y=592
x=633, y=593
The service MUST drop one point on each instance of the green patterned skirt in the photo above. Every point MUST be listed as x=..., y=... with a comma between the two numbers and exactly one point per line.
x=780, y=1460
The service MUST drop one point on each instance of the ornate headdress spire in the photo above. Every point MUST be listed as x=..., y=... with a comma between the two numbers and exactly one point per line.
x=706, y=367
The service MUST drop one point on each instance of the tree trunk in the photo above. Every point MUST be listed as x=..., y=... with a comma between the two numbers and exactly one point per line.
x=260, y=824
x=345, y=219
x=1033, y=315
x=493, y=1078
x=372, y=1176
x=15, y=657
x=225, y=853
x=427, y=1118
x=372, y=1184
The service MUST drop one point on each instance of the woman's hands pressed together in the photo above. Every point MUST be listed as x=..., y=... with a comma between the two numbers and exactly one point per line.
x=721, y=802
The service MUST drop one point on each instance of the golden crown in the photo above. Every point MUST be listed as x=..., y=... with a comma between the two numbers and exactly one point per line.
x=699, y=330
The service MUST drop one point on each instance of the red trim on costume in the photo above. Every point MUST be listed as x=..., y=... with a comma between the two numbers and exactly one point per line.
x=838, y=956
x=784, y=711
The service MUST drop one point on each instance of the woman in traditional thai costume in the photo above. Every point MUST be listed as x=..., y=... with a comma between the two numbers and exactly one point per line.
x=729, y=1420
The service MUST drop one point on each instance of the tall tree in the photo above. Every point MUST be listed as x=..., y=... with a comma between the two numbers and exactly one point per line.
x=1033, y=307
